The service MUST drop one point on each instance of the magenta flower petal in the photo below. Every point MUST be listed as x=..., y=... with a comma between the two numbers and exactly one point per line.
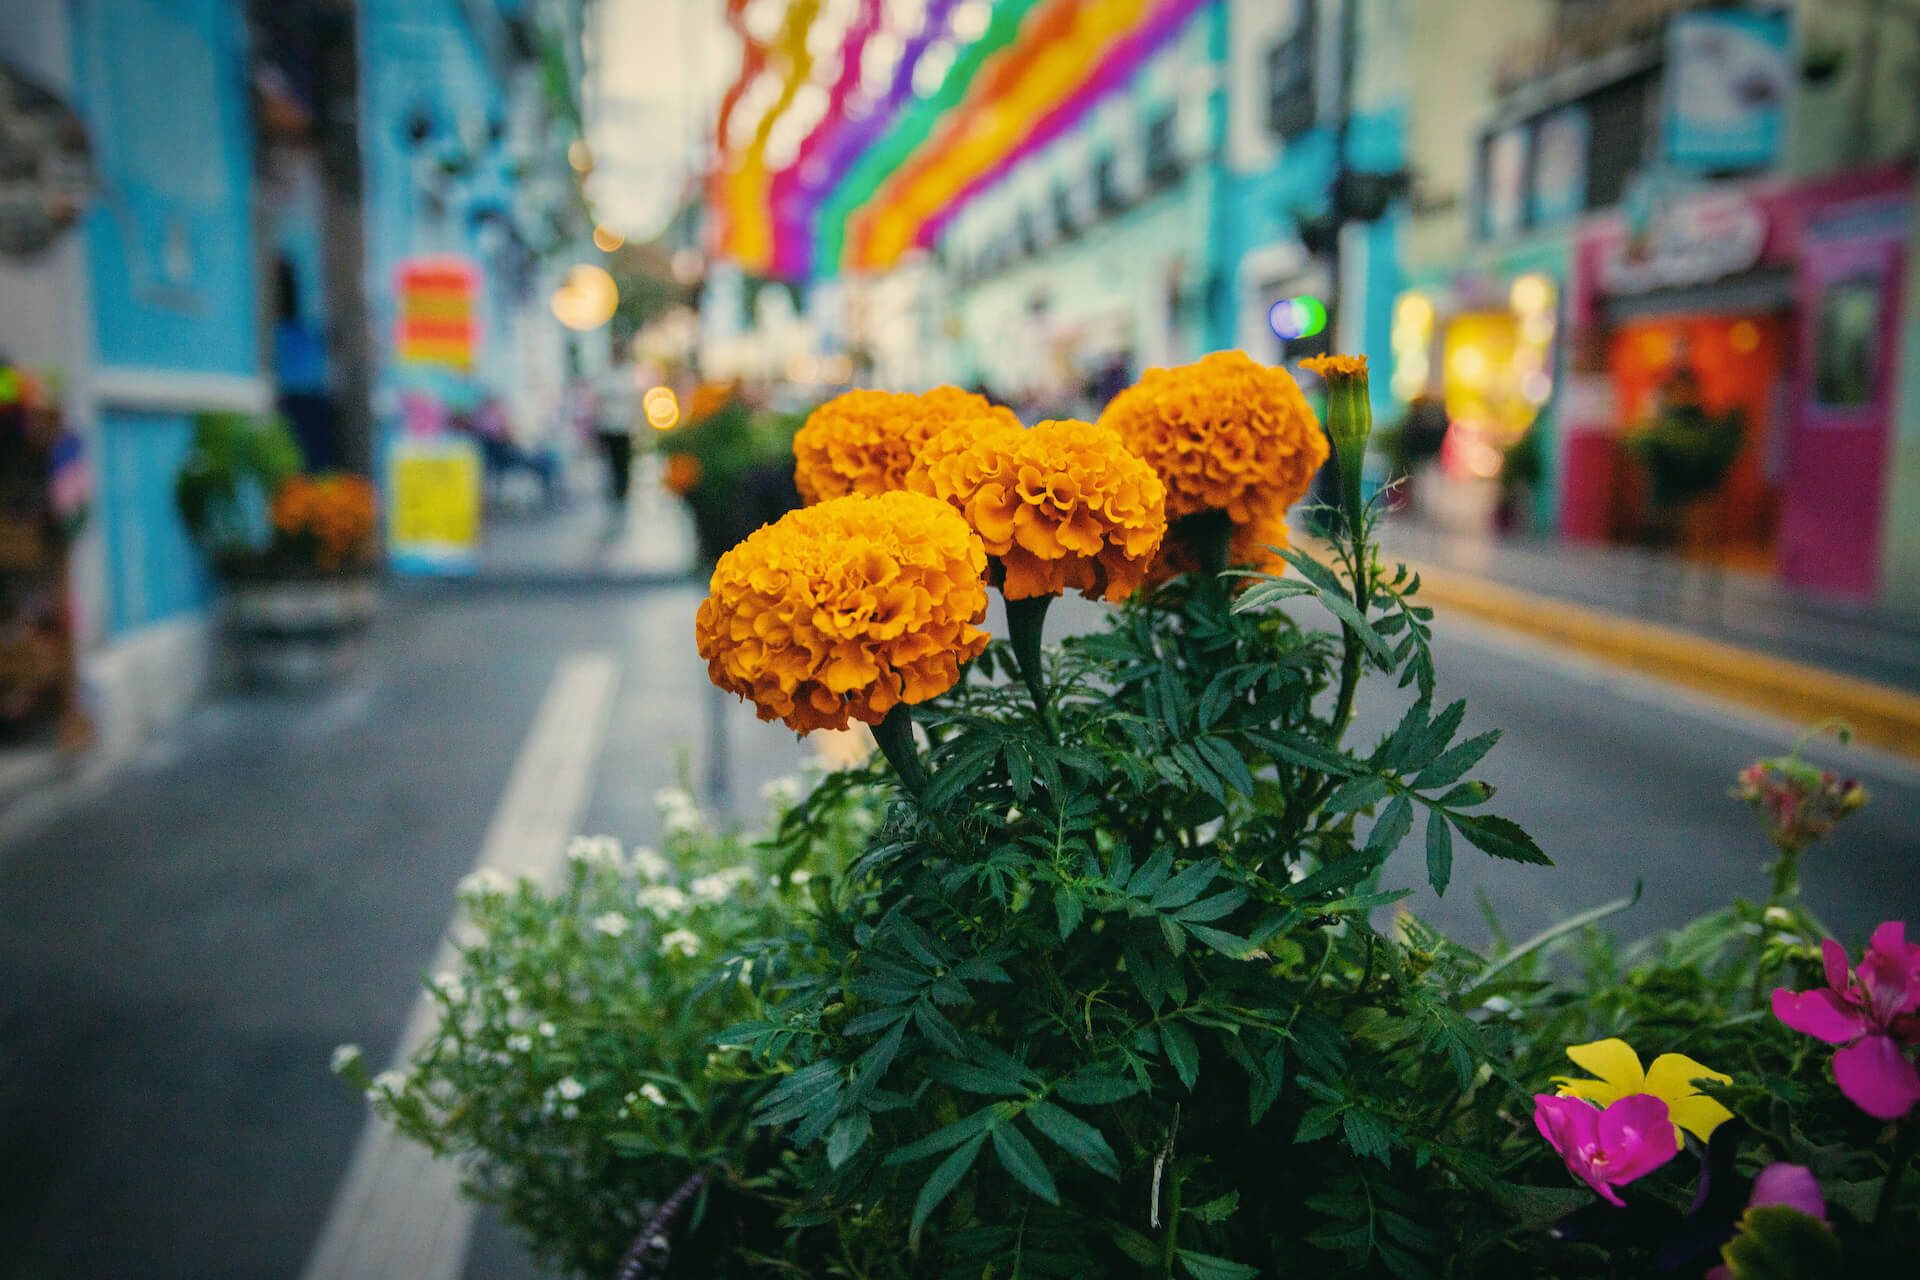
x=1833, y=958
x=1887, y=973
x=1790, y=1185
x=1876, y=1077
x=1822, y=1014
x=1636, y=1135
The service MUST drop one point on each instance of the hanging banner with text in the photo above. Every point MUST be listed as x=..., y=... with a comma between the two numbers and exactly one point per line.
x=433, y=521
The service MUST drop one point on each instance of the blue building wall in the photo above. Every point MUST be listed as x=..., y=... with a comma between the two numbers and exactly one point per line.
x=423, y=58
x=1259, y=209
x=163, y=87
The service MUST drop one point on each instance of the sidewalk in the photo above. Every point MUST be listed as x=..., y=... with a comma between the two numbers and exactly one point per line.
x=583, y=540
x=1737, y=607
x=1732, y=634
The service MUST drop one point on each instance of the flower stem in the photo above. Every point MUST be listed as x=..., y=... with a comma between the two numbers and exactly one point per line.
x=1026, y=619
x=1905, y=1142
x=894, y=736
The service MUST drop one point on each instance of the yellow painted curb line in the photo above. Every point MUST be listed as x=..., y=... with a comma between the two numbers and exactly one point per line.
x=1881, y=715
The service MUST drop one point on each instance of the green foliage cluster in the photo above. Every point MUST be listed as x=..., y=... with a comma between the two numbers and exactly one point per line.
x=745, y=458
x=227, y=481
x=1107, y=984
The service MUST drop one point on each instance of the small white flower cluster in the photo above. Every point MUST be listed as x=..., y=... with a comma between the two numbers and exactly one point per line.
x=718, y=886
x=613, y=924
x=483, y=884
x=345, y=1057
x=648, y=1093
x=649, y=865
x=388, y=1085
x=662, y=900
x=684, y=942
x=560, y=1098
x=596, y=852
x=782, y=793
x=679, y=812
x=449, y=987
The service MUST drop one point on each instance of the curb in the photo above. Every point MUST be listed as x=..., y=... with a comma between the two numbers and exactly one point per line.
x=1880, y=715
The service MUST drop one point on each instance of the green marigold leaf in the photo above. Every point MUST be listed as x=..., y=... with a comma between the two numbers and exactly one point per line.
x=941, y=1182
x=1182, y=1053
x=1500, y=837
x=1018, y=1158
x=1205, y=1266
x=1075, y=1137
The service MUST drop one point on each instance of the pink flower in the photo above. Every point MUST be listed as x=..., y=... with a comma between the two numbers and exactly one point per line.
x=1871, y=1014
x=1610, y=1148
x=1790, y=1186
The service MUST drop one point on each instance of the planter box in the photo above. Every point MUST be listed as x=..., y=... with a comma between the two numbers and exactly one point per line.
x=298, y=632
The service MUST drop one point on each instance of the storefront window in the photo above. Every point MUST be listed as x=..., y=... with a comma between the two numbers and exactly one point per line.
x=1846, y=335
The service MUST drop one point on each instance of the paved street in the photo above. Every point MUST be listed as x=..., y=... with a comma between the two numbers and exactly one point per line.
x=189, y=938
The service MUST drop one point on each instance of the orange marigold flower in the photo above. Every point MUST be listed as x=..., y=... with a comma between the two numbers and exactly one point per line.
x=864, y=441
x=842, y=610
x=1254, y=545
x=682, y=474
x=1331, y=366
x=336, y=511
x=1225, y=434
x=1063, y=506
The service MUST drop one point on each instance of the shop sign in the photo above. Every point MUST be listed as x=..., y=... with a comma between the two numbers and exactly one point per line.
x=433, y=521
x=1729, y=76
x=438, y=325
x=1690, y=242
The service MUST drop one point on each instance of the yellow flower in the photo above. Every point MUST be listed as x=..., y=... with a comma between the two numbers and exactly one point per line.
x=1670, y=1079
x=1225, y=434
x=864, y=441
x=843, y=610
x=1063, y=506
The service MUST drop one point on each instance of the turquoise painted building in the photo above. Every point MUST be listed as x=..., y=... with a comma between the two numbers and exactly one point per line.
x=145, y=314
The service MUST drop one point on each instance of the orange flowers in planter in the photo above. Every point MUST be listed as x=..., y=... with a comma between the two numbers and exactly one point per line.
x=843, y=610
x=1226, y=434
x=682, y=474
x=1063, y=506
x=334, y=512
x=865, y=441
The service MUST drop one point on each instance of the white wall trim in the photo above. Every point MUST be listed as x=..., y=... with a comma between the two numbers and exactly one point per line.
x=174, y=391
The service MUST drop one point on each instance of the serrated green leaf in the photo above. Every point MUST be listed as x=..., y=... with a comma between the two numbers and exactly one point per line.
x=941, y=1182
x=949, y=1137
x=1185, y=887
x=1206, y=1266
x=1304, y=752
x=1074, y=1136
x=1356, y=793
x=1367, y=1135
x=1182, y=1053
x=1216, y=1210
x=1391, y=828
x=849, y=1133
x=1452, y=764
x=1018, y=1158
x=1094, y=1089
x=1068, y=907
x=1439, y=851
x=972, y=1078
x=1501, y=838
x=1212, y=908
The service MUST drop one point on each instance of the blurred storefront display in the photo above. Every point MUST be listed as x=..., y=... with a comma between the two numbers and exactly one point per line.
x=1713, y=369
x=1782, y=304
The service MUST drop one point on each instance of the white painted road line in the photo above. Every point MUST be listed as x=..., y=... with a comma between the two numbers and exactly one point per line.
x=398, y=1213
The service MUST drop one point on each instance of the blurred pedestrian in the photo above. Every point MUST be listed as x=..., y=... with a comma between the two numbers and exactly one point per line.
x=613, y=432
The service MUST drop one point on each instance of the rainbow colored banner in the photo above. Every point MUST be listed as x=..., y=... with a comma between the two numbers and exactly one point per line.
x=896, y=151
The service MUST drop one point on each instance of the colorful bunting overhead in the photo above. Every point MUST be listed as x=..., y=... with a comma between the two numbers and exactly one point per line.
x=860, y=127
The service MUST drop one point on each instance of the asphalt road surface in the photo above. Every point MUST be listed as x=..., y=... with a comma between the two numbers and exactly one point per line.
x=183, y=941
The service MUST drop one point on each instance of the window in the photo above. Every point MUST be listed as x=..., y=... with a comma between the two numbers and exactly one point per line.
x=1291, y=108
x=1846, y=344
x=1162, y=151
x=1065, y=216
x=1106, y=183
x=1620, y=117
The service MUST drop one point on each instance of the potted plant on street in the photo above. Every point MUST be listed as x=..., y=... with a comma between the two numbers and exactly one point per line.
x=732, y=464
x=295, y=554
